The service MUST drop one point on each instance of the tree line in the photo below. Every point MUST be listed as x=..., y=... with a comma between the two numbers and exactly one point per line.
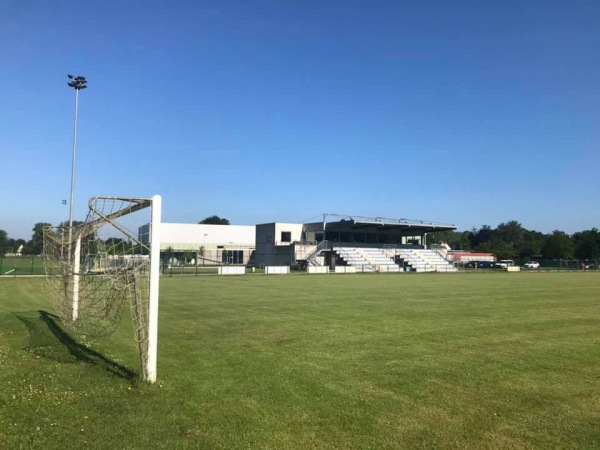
x=35, y=245
x=511, y=240
x=508, y=240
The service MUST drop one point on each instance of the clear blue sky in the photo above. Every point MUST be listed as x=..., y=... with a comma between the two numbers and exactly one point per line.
x=463, y=112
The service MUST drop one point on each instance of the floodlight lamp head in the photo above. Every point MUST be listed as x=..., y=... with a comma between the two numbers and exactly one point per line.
x=78, y=82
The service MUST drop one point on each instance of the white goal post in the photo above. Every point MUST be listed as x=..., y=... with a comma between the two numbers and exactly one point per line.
x=155, y=222
x=113, y=258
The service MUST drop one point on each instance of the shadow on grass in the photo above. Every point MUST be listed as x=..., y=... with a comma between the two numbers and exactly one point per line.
x=48, y=339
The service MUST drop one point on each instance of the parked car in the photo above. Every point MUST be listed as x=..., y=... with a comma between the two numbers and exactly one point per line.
x=532, y=265
x=486, y=264
x=591, y=267
x=479, y=265
x=504, y=263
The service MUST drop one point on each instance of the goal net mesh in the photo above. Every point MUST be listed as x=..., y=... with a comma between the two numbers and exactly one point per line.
x=98, y=267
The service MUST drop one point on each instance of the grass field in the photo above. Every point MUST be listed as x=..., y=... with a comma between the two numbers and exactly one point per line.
x=22, y=265
x=316, y=362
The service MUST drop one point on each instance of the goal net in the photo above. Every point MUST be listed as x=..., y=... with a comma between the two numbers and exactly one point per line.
x=99, y=268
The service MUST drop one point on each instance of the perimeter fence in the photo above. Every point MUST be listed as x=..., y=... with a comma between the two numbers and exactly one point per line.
x=21, y=265
x=28, y=265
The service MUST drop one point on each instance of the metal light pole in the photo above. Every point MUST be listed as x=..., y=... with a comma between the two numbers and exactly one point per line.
x=78, y=83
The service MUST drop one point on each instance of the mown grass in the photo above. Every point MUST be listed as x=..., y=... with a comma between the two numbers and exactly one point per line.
x=346, y=361
x=21, y=265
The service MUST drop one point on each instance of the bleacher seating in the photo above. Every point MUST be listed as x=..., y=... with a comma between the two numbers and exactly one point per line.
x=437, y=261
x=369, y=259
x=423, y=260
x=353, y=257
x=379, y=257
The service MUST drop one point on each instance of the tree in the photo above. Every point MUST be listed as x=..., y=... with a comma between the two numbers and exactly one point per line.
x=587, y=244
x=511, y=232
x=88, y=239
x=75, y=223
x=27, y=246
x=214, y=220
x=201, y=252
x=558, y=246
x=484, y=234
x=498, y=247
x=457, y=240
x=116, y=246
x=3, y=242
x=37, y=239
x=532, y=244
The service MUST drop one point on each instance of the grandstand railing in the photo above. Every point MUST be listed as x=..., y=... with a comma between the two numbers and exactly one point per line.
x=440, y=251
x=323, y=245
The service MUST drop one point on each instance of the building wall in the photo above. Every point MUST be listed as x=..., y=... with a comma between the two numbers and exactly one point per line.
x=274, y=243
x=185, y=236
x=466, y=256
x=215, y=239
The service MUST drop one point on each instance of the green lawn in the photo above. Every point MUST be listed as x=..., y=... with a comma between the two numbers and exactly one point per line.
x=332, y=361
x=22, y=265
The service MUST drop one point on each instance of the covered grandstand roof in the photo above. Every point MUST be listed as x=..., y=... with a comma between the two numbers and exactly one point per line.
x=350, y=222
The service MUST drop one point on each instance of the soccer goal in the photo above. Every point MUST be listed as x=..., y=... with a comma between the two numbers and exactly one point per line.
x=97, y=268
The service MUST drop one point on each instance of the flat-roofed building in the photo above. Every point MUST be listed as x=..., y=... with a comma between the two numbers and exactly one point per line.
x=322, y=243
x=208, y=244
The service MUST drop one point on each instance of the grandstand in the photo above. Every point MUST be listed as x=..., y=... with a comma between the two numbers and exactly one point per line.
x=370, y=244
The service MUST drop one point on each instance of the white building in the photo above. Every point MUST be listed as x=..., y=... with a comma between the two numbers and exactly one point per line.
x=279, y=243
x=208, y=244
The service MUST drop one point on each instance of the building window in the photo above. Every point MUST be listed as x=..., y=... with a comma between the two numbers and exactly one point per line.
x=286, y=236
x=233, y=257
x=346, y=237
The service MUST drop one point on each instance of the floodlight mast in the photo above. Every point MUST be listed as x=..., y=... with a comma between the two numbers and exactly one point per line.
x=78, y=83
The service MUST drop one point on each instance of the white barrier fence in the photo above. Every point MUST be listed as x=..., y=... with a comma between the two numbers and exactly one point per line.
x=232, y=270
x=445, y=268
x=388, y=268
x=318, y=269
x=277, y=270
x=345, y=269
